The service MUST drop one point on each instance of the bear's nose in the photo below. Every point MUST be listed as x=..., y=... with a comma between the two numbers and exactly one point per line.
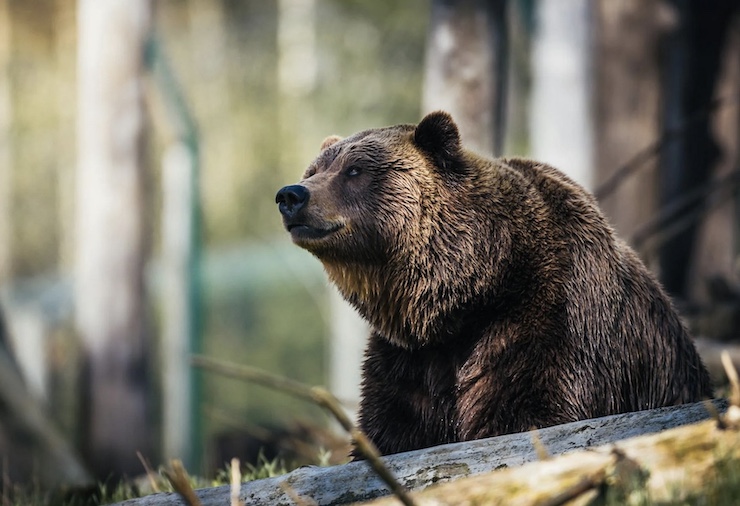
x=290, y=199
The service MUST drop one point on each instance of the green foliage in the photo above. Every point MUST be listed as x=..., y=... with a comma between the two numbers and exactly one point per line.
x=724, y=489
x=121, y=492
x=264, y=468
x=28, y=496
x=249, y=472
x=264, y=308
x=256, y=138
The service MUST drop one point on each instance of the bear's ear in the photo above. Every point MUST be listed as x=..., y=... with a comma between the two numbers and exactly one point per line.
x=437, y=135
x=329, y=141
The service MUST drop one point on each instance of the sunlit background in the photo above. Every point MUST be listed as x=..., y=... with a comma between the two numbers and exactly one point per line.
x=142, y=143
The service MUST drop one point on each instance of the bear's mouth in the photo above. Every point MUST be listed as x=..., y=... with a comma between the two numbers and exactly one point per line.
x=304, y=232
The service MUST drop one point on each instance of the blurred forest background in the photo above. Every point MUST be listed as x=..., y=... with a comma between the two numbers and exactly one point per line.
x=110, y=276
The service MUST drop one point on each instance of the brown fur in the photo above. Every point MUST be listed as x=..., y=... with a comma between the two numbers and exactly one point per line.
x=499, y=296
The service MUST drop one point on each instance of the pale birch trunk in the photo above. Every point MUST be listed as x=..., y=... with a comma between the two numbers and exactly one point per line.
x=111, y=245
x=561, y=129
x=466, y=67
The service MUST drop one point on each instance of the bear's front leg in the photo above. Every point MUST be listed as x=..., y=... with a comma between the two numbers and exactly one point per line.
x=408, y=397
x=533, y=382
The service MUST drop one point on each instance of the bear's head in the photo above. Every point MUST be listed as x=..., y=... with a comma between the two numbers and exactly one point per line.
x=391, y=213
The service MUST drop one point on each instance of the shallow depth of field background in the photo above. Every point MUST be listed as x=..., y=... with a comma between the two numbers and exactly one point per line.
x=600, y=89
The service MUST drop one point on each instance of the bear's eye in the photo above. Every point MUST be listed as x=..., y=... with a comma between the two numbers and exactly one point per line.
x=353, y=170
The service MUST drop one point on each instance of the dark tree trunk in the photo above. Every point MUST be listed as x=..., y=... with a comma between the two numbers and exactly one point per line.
x=627, y=107
x=693, y=56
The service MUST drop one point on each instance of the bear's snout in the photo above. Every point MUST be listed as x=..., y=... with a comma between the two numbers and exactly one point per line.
x=291, y=199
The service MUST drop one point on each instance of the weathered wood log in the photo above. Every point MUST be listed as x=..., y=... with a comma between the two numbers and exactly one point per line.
x=669, y=467
x=418, y=469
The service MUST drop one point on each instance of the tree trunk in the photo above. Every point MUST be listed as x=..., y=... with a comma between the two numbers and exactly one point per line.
x=718, y=240
x=628, y=106
x=561, y=129
x=6, y=156
x=178, y=189
x=111, y=245
x=694, y=51
x=466, y=69
x=65, y=43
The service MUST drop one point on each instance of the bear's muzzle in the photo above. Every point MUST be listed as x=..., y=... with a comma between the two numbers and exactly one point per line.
x=291, y=199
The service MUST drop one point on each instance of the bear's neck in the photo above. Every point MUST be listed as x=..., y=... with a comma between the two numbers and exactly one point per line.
x=401, y=303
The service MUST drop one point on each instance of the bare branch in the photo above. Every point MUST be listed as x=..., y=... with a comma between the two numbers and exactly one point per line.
x=318, y=395
x=178, y=478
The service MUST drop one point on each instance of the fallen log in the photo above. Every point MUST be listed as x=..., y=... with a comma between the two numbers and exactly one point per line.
x=419, y=469
x=669, y=467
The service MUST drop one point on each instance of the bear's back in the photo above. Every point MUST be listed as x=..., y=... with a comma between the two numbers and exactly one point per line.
x=616, y=307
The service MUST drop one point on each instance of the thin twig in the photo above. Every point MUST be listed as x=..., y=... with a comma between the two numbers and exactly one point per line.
x=318, y=395
x=180, y=481
x=733, y=377
x=539, y=446
x=252, y=375
x=715, y=414
x=236, y=482
x=694, y=197
x=586, y=484
x=681, y=224
x=732, y=416
x=150, y=474
x=297, y=499
x=641, y=157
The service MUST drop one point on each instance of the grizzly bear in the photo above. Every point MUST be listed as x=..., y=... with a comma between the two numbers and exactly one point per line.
x=499, y=297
